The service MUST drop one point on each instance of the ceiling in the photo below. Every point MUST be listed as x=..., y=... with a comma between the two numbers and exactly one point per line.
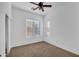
x=28, y=6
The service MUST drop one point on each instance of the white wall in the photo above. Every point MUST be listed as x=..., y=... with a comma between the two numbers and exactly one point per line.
x=64, y=27
x=2, y=35
x=18, y=26
x=4, y=9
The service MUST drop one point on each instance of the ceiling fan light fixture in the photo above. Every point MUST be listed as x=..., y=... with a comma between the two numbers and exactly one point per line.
x=40, y=6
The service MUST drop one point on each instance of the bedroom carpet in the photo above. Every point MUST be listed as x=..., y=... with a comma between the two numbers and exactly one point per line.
x=40, y=49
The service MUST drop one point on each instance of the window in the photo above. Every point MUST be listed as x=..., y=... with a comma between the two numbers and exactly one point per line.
x=32, y=27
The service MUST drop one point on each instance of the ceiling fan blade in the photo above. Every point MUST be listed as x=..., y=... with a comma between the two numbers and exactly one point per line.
x=47, y=5
x=42, y=9
x=34, y=3
x=35, y=8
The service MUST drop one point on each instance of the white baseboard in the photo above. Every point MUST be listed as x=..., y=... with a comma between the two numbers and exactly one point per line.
x=26, y=43
x=3, y=55
x=49, y=43
x=63, y=47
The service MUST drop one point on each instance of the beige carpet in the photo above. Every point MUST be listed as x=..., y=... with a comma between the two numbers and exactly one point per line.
x=41, y=49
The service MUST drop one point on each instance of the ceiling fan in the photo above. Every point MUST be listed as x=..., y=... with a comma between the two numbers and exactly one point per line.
x=40, y=6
